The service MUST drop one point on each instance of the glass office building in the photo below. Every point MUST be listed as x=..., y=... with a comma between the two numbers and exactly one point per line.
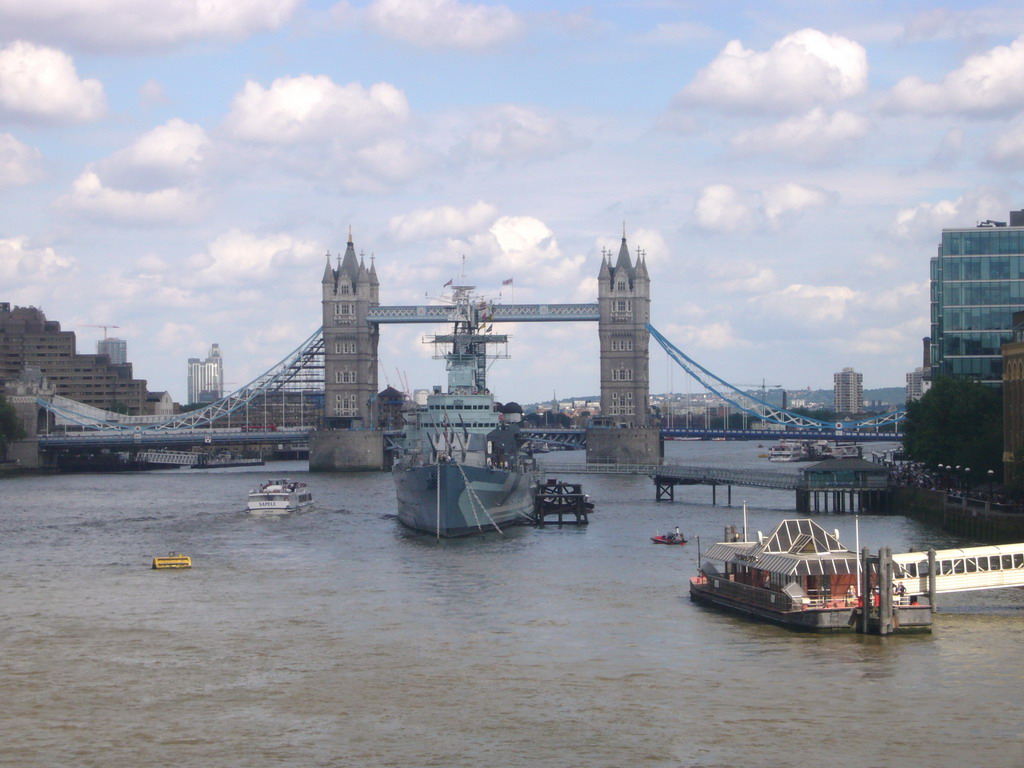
x=977, y=283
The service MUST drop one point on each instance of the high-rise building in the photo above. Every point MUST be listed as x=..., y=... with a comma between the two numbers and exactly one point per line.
x=916, y=384
x=977, y=283
x=206, y=377
x=114, y=348
x=849, y=391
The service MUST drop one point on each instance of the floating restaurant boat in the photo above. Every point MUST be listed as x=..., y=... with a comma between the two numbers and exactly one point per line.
x=461, y=469
x=799, y=576
x=172, y=560
x=279, y=497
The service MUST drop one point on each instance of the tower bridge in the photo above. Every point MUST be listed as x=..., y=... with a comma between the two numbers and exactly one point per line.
x=328, y=387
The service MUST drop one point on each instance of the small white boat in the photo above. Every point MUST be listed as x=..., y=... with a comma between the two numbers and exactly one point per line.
x=279, y=497
x=789, y=450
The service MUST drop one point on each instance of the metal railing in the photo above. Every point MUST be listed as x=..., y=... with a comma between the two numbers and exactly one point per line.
x=695, y=474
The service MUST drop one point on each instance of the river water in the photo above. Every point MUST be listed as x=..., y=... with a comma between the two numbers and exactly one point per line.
x=336, y=638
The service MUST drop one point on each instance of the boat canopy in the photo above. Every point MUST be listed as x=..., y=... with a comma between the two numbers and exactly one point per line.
x=797, y=547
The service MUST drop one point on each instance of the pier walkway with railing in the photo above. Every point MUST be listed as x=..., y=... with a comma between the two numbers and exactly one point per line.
x=681, y=473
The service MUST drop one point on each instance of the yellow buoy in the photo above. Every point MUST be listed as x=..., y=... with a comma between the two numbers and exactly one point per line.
x=172, y=560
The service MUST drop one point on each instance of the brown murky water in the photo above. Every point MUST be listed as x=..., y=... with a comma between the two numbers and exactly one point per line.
x=335, y=638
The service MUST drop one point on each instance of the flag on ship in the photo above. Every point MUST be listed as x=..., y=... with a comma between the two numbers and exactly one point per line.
x=507, y=282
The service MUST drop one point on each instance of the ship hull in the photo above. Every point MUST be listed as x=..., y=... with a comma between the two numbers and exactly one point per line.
x=454, y=500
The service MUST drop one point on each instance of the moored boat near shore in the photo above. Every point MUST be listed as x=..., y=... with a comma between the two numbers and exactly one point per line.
x=799, y=576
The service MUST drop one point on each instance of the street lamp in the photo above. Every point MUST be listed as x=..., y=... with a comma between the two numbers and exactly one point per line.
x=991, y=474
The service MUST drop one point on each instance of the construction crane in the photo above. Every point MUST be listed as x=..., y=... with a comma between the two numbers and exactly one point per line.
x=104, y=327
x=762, y=386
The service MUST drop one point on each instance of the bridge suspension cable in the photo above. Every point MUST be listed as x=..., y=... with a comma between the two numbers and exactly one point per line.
x=756, y=406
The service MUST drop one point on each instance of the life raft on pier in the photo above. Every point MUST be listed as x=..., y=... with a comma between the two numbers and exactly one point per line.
x=172, y=560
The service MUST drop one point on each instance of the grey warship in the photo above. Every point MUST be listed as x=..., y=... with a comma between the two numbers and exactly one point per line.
x=460, y=469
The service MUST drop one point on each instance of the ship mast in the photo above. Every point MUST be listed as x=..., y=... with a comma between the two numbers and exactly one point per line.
x=465, y=349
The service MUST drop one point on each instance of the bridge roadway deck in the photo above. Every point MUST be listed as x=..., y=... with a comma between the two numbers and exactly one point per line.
x=704, y=475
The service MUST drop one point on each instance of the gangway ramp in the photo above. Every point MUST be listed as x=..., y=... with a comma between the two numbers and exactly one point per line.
x=961, y=570
x=176, y=458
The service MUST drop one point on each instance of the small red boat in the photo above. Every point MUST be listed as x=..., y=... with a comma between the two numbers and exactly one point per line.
x=668, y=538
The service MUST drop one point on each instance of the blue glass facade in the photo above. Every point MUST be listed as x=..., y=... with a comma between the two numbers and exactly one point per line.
x=977, y=283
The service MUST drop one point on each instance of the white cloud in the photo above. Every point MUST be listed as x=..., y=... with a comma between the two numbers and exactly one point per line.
x=784, y=199
x=809, y=304
x=516, y=133
x=178, y=336
x=521, y=247
x=444, y=23
x=889, y=339
x=1008, y=147
x=381, y=166
x=163, y=157
x=650, y=242
x=742, y=276
x=152, y=93
x=925, y=221
x=988, y=84
x=800, y=71
x=949, y=24
x=896, y=298
x=445, y=221
x=811, y=137
x=130, y=24
x=19, y=163
x=19, y=260
x=874, y=341
x=91, y=197
x=950, y=148
x=724, y=208
x=311, y=108
x=237, y=254
x=38, y=83
x=674, y=32
x=711, y=336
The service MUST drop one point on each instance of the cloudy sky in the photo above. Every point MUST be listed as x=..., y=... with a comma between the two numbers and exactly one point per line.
x=180, y=169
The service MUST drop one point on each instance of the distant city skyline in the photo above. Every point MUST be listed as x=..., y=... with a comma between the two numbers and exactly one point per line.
x=786, y=169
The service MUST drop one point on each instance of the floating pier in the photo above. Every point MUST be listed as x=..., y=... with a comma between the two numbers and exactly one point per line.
x=565, y=501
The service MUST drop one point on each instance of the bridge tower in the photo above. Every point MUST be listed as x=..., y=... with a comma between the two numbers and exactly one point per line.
x=624, y=305
x=350, y=342
x=624, y=309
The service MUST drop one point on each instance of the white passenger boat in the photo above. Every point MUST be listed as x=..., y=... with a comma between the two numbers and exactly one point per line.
x=789, y=450
x=279, y=497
